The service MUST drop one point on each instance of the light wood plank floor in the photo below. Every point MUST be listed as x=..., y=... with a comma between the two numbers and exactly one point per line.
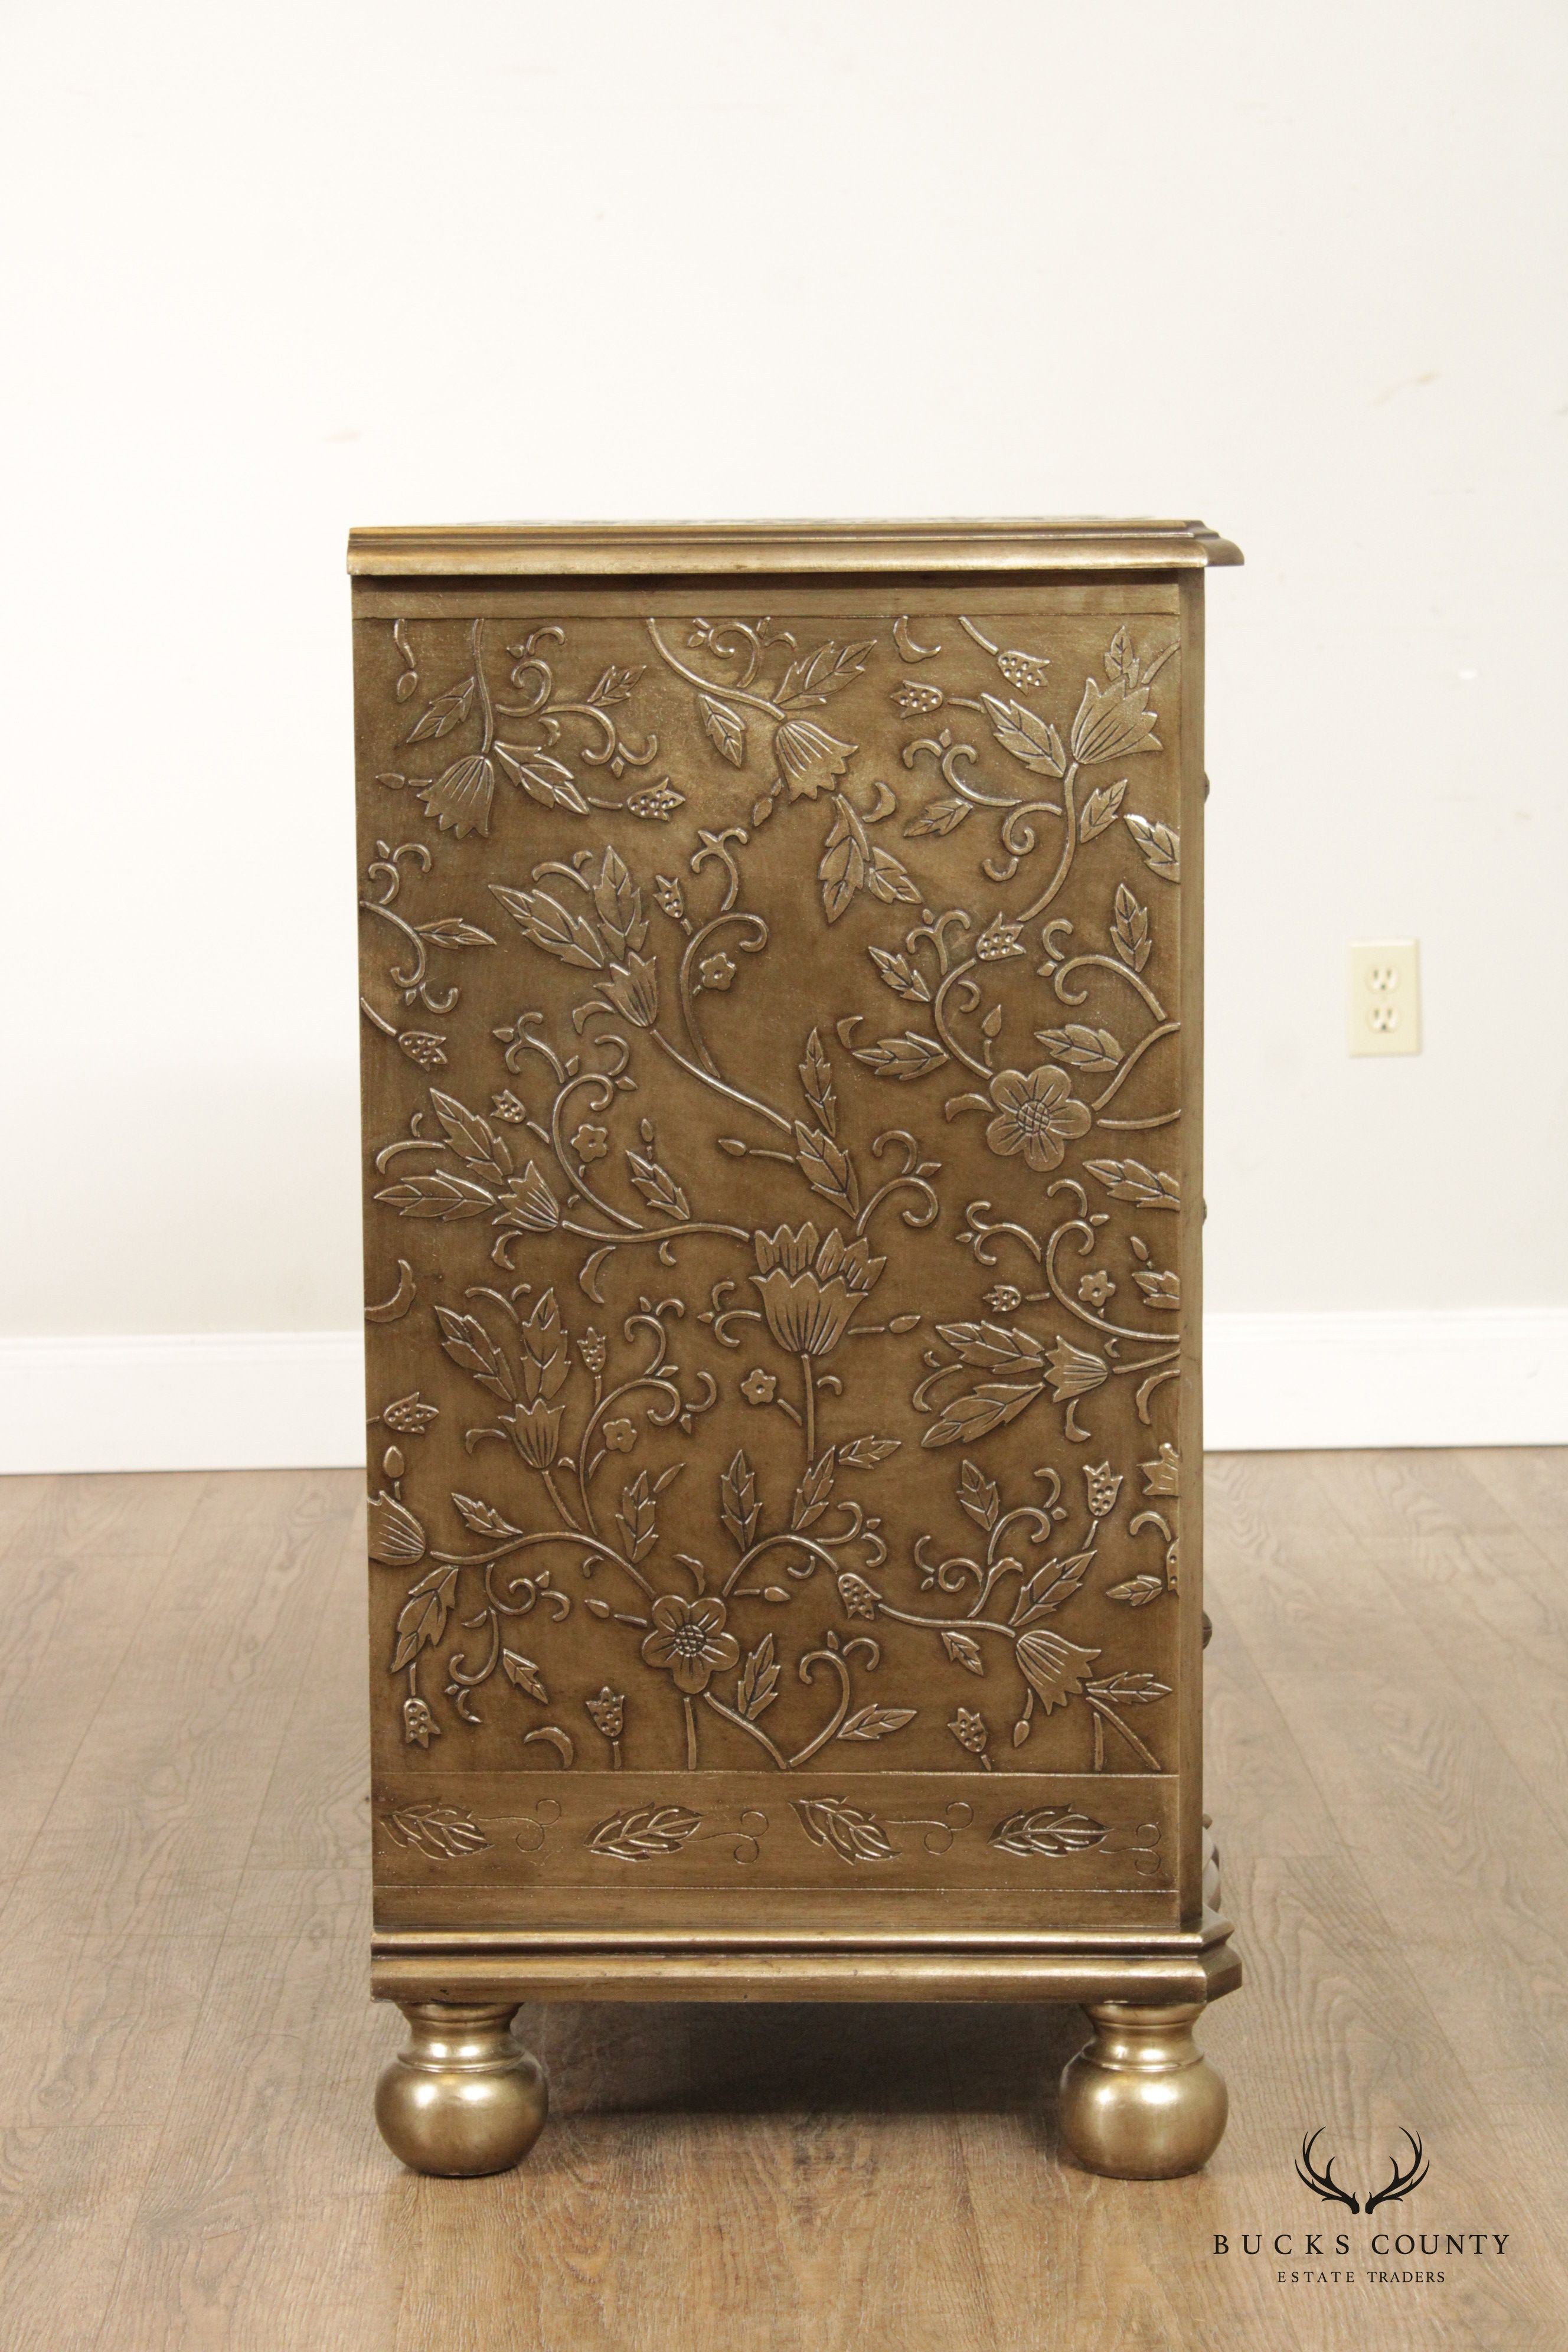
x=186, y=2151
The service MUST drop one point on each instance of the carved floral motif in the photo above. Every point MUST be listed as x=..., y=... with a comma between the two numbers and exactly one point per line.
x=819, y=1267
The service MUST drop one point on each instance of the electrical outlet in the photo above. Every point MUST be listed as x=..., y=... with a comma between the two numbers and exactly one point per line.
x=1385, y=996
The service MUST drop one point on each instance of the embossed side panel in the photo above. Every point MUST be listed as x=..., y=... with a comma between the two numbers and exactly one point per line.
x=775, y=1242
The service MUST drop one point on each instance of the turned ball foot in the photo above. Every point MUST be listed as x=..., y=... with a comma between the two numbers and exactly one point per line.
x=1141, y=2102
x=463, y=2097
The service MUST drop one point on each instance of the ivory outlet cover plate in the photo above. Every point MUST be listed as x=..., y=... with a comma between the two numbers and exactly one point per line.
x=1385, y=996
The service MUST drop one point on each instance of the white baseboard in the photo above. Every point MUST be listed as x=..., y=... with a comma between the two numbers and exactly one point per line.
x=270, y=1399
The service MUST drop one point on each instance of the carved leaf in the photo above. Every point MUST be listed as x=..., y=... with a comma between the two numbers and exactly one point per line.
x=863, y=1452
x=826, y=1168
x=992, y=1346
x=1132, y=1689
x=470, y=1347
x=1163, y=1475
x=979, y=1496
x=645, y=1833
x=525, y=1674
x=725, y=728
x=844, y=1829
x=908, y=1056
x=446, y=712
x=1129, y=1180
x=1054, y=1829
x=877, y=1722
x=471, y=1138
x=811, y=678
x=434, y=1193
x=738, y=1506
x=1049, y=1587
x=1162, y=1291
x=483, y=1517
x=759, y=1683
x=1161, y=846
x=559, y=930
x=1098, y=810
x=845, y=856
x=1130, y=932
x=423, y=1617
x=941, y=816
x=890, y=879
x=615, y=686
x=816, y=1084
x=617, y=902
x=902, y=976
x=658, y=1188
x=813, y=1492
x=451, y=931
x=442, y=1832
x=1084, y=1048
x=638, y=1517
x=544, y=780
x=968, y=1418
x=1033, y=741
x=965, y=1652
x=544, y=1360
x=1137, y=1590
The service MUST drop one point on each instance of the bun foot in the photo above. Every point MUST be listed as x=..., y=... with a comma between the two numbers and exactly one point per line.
x=463, y=2097
x=1141, y=2102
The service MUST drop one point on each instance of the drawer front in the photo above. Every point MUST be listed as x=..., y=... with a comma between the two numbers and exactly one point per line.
x=780, y=1269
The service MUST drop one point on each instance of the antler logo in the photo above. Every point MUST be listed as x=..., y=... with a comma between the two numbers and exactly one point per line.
x=1324, y=2184
x=1402, y=2182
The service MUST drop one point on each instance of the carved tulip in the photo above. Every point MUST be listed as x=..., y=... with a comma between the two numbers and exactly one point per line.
x=1053, y=1667
x=396, y=1537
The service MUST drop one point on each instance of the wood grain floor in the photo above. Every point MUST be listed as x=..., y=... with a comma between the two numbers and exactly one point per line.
x=186, y=2151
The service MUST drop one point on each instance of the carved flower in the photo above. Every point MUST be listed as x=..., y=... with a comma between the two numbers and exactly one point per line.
x=396, y=1537
x=689, y=1640
x=970, y=1730
x=809, y=757
x=810, y=1292
x=1097, y=1289
x=1073, y=1371
x=999, y=939
x=912, y=700
x=1054, y=1668
x=507, y=1106
x=1002, y=1298
x=410, y=1415
x=529, y=1204
x=424, y=1047
x=459, y=798
x=591, y=1347
x=759, y=1387
x=716, y=972
x=620, y=1436
x=667, y=893
x=590, y=1142
x=1035, y=1114
x=418, y=1723
x=632, y=988
x=659, y=802
x=607, y=1712
x=1112, y=722
x=536, y=1432
x=859, y=1598
x=1103, y=1487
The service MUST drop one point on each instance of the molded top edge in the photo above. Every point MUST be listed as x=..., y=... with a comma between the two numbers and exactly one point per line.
x=1072, y=543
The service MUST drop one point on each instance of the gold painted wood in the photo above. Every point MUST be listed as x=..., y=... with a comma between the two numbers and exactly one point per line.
x=551, y=550
x=782, y=1097
x=182, y=2160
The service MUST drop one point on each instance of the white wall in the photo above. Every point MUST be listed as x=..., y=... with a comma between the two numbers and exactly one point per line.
x=1295, y=270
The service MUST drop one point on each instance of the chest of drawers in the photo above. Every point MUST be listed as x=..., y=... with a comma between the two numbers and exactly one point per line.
x=782, y=1090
